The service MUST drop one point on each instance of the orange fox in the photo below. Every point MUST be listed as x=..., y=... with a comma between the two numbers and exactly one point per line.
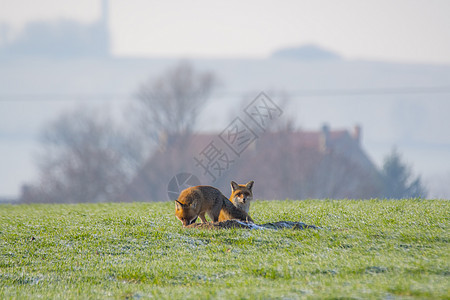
x=241, y=195
x=197, y=201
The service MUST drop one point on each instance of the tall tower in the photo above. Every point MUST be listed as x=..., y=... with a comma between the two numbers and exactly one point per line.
x=104, y=18
x=104, y=37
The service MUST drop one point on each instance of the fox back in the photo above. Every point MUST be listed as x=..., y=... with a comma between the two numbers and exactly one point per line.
x=241, y=195
x=194, y=202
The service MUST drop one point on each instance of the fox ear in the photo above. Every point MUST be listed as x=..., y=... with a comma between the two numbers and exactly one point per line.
x=234, y=186
x=249, y=184
x=178, y=204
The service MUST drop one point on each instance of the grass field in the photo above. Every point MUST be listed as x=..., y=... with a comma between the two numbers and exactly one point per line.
x=365, y=249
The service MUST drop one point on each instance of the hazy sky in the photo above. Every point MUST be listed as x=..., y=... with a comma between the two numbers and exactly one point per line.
x=400, y=30
x=416, y=31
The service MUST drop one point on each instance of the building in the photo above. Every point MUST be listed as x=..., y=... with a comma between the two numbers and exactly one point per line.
x=59, y=39
x=284, y=164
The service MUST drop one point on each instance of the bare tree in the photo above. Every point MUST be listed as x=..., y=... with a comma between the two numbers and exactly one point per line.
x=169, y=106
x=86, y=158
x=83, y=159
x=167, y=111
x=285, y=122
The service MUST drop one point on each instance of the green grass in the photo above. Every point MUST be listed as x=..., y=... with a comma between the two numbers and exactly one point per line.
x=365, y=249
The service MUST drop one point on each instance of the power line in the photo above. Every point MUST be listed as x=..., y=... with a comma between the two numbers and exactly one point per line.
x=371, y=92
x=37, y=97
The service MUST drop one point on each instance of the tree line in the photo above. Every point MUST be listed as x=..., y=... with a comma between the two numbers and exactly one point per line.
x=87, y=156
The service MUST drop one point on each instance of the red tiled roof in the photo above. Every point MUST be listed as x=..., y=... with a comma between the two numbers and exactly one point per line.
x=297, y=139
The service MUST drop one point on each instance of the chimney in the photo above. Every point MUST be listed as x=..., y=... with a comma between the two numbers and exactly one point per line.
x=357, y=133
x=324, y=138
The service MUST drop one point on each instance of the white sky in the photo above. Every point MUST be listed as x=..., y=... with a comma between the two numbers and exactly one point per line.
x=415, y=31
x=400, y=30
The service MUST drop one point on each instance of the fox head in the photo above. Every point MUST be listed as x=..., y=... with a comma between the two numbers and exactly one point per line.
x=241, y=194
x=186, y=213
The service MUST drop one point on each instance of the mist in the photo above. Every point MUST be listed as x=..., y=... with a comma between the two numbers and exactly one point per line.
x=56, y=66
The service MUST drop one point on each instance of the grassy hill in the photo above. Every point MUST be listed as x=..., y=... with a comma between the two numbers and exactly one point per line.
x=365, y=249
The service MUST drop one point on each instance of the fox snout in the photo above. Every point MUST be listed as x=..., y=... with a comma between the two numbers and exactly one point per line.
x=241, y=198
x=187, y=222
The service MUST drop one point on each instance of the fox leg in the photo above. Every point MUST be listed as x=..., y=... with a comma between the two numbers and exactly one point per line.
x=202, y=217
x=214, y=216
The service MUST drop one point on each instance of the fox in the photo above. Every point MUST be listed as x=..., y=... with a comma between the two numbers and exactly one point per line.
x=242, y=195
x=197, y=201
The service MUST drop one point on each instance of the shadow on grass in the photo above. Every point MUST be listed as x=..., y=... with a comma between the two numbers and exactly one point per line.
x=240, y=224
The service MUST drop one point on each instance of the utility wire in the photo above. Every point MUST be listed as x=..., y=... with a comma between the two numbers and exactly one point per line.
x=37, y=97
x=370, y=92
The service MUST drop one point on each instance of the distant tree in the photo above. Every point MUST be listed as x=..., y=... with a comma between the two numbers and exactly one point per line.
x=285, y=122
x=167, y=110
x=59, y=39
x=169, y=106
x=398, y=181
x=84, y=158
